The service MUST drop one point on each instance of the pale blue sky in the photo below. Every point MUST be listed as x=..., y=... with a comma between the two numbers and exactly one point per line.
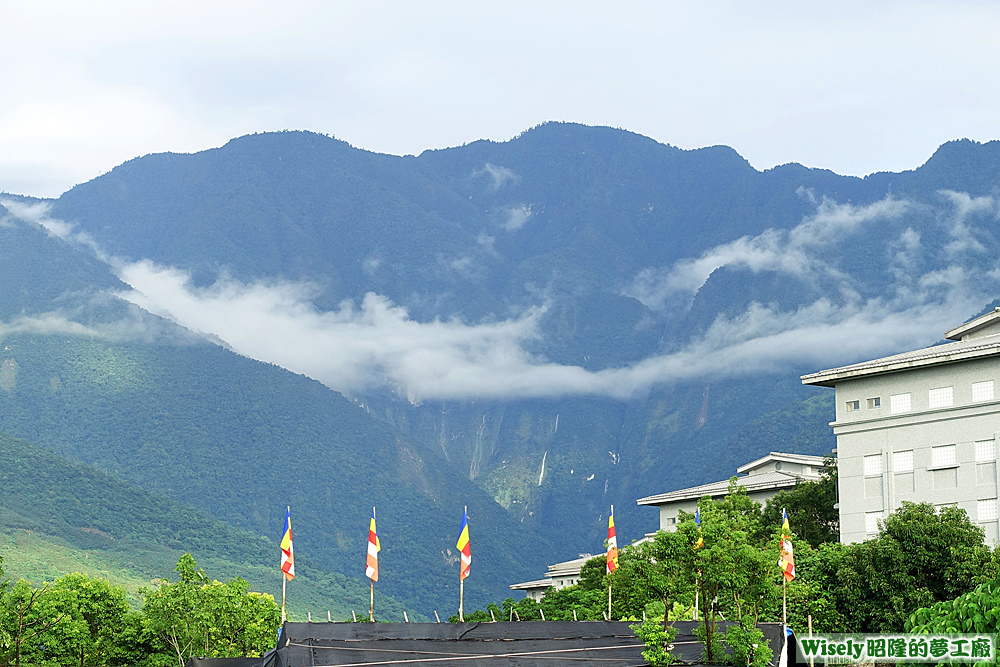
x=854, y=87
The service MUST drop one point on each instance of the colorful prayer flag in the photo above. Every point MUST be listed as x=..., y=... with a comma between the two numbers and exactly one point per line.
x=371, y=569
x=697, y=522
x=787, y=559
x=612, y=543
x=464, y=548
x=287, y=556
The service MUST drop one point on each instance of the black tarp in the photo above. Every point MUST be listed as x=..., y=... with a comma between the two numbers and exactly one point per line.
x=527, y=644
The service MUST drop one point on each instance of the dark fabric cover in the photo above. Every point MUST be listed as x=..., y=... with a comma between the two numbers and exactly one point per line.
x=535, y=644
x=527, y=644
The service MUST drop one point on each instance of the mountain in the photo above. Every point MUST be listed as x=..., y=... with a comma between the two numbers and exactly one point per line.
x=150, y=403
x=59, y=517
x=537, y=328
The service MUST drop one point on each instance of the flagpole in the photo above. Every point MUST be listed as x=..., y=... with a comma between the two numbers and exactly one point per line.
x=371, y=600
x=461, y=579
x=284, y=580
x=609, y=573
x=784, y=602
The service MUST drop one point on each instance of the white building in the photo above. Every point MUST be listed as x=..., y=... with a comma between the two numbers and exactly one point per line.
x=920, y=426
x=558, y=576
x=761, y=478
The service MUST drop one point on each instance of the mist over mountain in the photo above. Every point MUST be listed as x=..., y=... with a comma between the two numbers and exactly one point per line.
x=577, y=317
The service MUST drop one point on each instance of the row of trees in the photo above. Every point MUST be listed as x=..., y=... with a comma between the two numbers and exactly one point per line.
x=81, y=620
x=921, y=557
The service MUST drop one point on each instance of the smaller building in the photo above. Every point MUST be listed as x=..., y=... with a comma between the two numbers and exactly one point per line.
x=558, y=576
x=762, y=479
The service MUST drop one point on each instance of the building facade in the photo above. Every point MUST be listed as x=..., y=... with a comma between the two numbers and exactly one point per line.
x=920, y=426
x=558, y=576
x=761, y=478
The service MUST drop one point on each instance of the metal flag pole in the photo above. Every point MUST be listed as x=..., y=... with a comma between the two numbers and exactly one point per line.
x=371, y=600
x=284, y=577
x=609, y=574
x=461, y=580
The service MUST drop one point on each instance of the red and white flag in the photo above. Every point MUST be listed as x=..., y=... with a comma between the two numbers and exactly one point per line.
x=371, y=568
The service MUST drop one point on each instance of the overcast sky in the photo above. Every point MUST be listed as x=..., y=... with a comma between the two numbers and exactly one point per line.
x=854, y=87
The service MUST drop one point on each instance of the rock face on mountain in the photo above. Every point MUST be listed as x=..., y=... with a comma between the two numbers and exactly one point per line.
x=658, y=305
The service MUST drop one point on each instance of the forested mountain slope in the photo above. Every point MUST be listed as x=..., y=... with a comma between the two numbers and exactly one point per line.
x=126, y=392
x=58, y=517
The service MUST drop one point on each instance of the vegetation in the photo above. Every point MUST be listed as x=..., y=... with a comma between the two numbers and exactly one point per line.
x=887, y=584
x=79, y=620
x=59, y=517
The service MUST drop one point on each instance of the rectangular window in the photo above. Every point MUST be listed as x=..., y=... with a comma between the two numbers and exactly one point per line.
x=871, y=521
x=874, y=402
x=986, y=510
x=986, y=450
x=899, y=403
x=940, y=398
x=943, y=456
x=853, y=405
x=873, y=465
x=982, y=391
x=903, y=461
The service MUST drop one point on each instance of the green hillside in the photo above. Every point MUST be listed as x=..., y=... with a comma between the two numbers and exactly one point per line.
x=240, y=440
x=58, y=517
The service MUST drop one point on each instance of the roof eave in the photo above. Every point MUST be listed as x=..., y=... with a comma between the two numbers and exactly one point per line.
x=831, y=377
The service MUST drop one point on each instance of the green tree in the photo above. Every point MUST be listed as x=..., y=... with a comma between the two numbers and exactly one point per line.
x=919, y=558
x=976, y=611
x=811, y=507
x=734, y=566
x=655, y=570
x=199, y=616
x=41, y=624
x=102, y=607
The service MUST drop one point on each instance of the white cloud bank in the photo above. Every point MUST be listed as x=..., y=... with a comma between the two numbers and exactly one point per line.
x=786, y=251
x=357, y=348
x=353, y=349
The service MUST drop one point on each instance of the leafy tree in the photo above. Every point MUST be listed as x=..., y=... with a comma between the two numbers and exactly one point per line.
x=734, y=565
x=920, y=557
x=40, y=625
x=976, y=611
x=656, y=570
x=812, y=504
x=199, y=616
x=657, y=638
x=103, y=608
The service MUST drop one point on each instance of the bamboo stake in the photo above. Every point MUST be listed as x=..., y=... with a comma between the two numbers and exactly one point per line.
x=809, y=618
x=354, y=616
x=328, y=619
x=436, y=616
x=284, y=580
x=461, y=599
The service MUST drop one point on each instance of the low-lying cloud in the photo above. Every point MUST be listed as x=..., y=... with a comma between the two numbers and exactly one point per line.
x=785, y=251
x=375, y=344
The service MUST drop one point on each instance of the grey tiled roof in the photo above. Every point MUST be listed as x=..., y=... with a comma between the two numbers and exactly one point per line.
x=938, y=354
x=762, y=482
